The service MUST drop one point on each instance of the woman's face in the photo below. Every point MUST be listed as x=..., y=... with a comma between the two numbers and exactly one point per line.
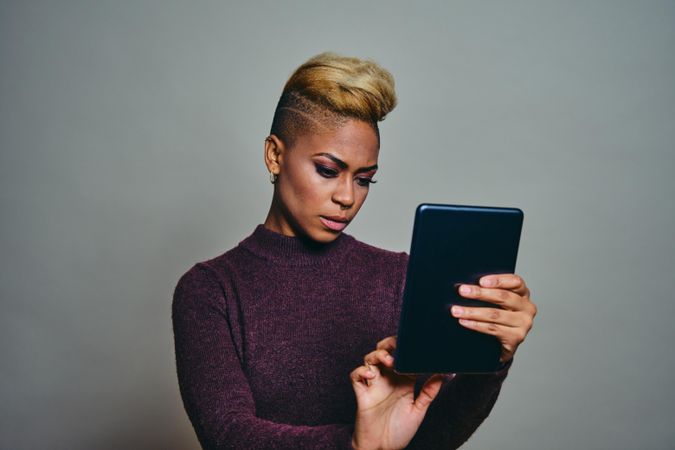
x=323, y=179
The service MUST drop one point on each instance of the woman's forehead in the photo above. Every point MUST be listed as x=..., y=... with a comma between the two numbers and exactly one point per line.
x=354, y=143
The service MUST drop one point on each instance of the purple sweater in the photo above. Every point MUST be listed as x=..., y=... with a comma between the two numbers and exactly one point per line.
x=267, y=334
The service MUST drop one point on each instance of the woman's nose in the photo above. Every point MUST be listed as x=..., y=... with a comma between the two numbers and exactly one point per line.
x=344, y=193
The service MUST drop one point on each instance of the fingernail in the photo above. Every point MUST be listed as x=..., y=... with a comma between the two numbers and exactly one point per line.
x=389, y=358
x=488, y=282
x=457, y=310
x=464, y=289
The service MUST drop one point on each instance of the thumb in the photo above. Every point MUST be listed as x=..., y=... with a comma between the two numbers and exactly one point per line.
x=428, y=393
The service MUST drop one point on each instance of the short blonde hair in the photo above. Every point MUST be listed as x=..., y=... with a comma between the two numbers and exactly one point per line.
x=329, y=89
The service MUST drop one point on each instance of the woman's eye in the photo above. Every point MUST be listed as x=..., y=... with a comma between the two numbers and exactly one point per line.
x=326, y=172
x=365, y=181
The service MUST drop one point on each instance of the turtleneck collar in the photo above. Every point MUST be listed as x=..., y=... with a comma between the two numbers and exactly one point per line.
x=287, y=250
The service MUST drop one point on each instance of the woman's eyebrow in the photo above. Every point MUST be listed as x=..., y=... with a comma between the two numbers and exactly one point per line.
x=344, y=165
x=367, y=169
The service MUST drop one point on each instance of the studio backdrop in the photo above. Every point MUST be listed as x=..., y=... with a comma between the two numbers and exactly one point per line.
x=131, y=139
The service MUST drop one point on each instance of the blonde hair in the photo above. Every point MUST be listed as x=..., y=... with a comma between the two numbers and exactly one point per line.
x=329, y=89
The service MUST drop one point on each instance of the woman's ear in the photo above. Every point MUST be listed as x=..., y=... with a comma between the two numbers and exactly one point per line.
x=274, y=152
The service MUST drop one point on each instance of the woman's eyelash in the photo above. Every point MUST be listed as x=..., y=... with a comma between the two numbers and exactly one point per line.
x=365, y=181
x=326, y=171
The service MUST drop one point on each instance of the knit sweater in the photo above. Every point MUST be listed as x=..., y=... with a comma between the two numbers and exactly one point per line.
x=267, y=334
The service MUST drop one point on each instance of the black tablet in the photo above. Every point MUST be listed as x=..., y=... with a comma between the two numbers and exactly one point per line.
x=452, y=245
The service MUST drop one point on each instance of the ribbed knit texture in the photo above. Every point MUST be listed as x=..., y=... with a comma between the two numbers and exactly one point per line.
x=267, y=334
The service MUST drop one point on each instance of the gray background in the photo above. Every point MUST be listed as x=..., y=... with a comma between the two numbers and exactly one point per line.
x=131, y=139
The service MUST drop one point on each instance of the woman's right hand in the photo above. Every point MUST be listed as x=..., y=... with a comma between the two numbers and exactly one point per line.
x=388, y=414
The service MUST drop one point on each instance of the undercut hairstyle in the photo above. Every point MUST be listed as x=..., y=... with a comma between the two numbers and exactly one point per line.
x=327, y=91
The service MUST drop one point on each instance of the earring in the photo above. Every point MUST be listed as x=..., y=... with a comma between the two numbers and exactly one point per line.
x=273, y=177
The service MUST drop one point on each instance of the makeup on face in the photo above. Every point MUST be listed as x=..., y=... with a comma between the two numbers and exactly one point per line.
x=334, y=223
x=330, y=166
x=324, y=179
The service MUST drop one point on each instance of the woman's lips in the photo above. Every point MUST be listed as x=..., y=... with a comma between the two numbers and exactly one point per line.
x=334, y=223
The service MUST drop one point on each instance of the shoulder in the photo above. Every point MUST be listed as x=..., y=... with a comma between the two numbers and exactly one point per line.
x=205, y=279
x=193, y=286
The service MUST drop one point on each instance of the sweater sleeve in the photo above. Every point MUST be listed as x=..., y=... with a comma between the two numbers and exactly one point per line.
x=213, y=386
x=463, y=403
x=460, y=407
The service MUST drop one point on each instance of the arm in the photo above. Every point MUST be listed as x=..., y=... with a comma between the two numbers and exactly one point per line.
x=460, y=407
x=213, y=386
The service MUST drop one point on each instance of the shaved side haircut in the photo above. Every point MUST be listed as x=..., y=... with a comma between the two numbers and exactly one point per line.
x=329, y=89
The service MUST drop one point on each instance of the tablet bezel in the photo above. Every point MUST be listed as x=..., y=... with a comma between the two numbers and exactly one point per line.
x=451, y=245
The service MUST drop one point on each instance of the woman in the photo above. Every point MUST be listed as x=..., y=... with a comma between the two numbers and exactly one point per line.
x=286, y=341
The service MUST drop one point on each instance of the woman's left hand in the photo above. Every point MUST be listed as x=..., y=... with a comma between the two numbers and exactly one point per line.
x=510, y=321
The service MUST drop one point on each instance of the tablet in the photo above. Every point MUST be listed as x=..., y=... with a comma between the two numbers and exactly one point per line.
x=452, y=245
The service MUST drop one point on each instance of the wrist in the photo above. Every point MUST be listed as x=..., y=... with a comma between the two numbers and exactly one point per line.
x=356, y=446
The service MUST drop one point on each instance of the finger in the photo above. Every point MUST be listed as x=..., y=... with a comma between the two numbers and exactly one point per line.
x=506, y=335
x=379, y=357
x=500, y=297
x=495, y=315
x=428, y=393
x=388, y=344
x=362, y=375
x=509, y=281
